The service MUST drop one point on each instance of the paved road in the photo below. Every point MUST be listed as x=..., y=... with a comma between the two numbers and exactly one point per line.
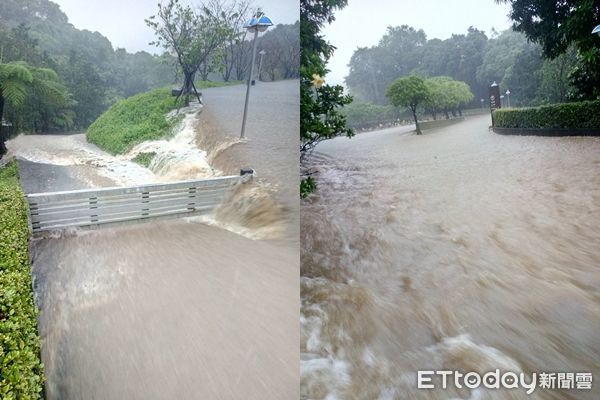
x=272, y=131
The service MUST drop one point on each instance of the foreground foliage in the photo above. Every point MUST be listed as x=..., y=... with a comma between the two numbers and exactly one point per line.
x=582, y=115
x=320, y=116
x=21, y=370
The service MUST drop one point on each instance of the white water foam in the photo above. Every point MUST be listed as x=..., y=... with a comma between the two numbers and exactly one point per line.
x=178, y=157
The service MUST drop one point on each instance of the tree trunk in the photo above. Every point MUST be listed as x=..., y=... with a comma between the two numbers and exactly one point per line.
x=188, y=88
x=446, y=112
x=414, y=112
x=3, y=149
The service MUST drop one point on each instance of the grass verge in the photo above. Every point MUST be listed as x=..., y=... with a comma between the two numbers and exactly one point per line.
x=21, y=370
x=138, y=119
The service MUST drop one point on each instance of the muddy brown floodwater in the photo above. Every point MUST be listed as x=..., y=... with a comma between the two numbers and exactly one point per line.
x=204, y=307
x=460, y=250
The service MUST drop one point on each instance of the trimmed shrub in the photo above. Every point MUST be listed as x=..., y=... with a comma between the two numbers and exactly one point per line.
x=582, y=115
x=21, y=370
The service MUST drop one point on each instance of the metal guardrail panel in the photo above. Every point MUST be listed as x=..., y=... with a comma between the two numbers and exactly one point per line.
x=90, y=207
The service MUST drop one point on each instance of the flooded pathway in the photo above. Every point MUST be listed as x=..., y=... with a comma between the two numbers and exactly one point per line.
x=458, y=250
x=191, y=308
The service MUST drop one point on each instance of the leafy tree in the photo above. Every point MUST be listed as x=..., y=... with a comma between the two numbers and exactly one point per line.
x=368, y=79
x=554, y=85
x=193, y=36
x=499, y=56
x=19, y=81
x=556, y=25
x=46, y=102
x=440, y=98
x=398, y=53
x=411, y=92
x=39, y=33
x=234, y=19
x=282, y=48
x=320, y=118
x=14, y=79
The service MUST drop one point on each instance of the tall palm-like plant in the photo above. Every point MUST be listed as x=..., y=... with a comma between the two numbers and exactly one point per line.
x=15, y=78
x=20, y=81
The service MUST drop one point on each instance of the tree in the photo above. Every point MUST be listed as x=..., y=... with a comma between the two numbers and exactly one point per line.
x=14, y=79
x=235, y=18
x=556, y=25
x=398, y=53
x=192, y=36
x=440, y=98
x=410, y=91
x=282, y=49
x=19, y=81
x=320, y=118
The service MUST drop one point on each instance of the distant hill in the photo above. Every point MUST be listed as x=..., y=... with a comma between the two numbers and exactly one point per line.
x=96, y=74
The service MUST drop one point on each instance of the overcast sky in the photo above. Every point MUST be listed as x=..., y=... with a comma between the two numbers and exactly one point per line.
x=363, y=22
x=122, y=21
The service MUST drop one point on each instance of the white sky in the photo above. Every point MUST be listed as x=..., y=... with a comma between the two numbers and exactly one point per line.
x=363, y=22
x=122, y=21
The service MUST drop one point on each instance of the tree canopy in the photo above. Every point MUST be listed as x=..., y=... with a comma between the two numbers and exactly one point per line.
x=36, y=90
x=474, y=58
x=409, y=91
x=193, y=36
x=558, y=25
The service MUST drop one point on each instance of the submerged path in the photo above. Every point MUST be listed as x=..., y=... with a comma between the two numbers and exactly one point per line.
x=161, y=310
x=271, y=145
x=459, y=250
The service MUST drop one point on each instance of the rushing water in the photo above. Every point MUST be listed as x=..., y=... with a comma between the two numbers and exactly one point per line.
x=457, y=250
x=180, y=308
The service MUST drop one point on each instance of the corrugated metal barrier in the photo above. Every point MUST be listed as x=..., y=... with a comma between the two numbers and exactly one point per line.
x=91, y=207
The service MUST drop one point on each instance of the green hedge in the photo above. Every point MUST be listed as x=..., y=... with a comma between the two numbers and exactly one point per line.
x=137, y=119
x=582, y=115
x=21, y=370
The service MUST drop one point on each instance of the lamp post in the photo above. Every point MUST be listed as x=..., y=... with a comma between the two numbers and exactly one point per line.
x=501, y=98
x=259, y=23
x=482, y=100
x=507, y=98
x=262, y=53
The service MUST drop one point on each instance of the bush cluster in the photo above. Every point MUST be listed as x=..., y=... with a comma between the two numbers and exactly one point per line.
x=21, y=370
x=582, y=115
x=363, y=115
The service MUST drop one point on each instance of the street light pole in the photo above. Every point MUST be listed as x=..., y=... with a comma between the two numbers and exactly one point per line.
x=262, y=53
x=258, y=24
x=242, y=135
x=508, y=98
